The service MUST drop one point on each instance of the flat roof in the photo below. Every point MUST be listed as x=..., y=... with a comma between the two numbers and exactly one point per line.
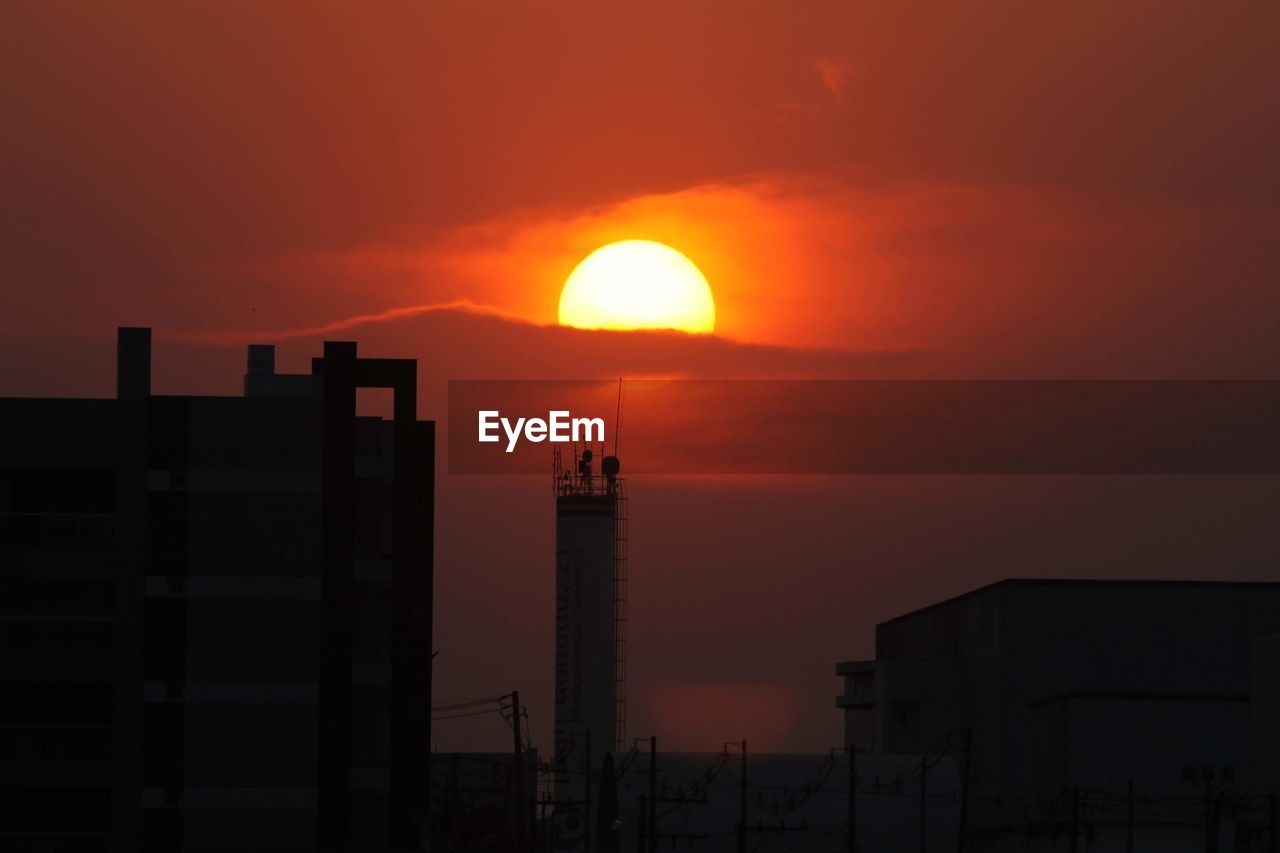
x=1133, y=696
x=1083, y=582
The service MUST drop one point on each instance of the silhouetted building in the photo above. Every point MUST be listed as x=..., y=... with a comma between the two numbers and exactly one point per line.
x=590, y=650
x=1264, y=706
x=1066, y=692
x=217, y=613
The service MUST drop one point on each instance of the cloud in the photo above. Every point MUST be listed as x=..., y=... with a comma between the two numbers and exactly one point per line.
x=1007, y=279
x=244, y=337
x=836, y=76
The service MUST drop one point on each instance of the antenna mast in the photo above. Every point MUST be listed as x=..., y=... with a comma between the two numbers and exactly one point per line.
x=617, y=419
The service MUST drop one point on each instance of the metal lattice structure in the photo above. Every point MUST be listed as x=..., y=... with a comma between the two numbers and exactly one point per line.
x=620, y=616
x=581, y=479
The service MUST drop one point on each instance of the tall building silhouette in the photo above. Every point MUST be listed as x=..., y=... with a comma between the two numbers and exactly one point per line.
x=217, y=613
x=590, y=651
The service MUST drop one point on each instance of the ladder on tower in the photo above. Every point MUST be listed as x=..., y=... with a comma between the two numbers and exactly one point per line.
x=620, y=617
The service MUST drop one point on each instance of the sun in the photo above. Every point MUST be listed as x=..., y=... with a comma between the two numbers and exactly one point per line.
x=637, y=284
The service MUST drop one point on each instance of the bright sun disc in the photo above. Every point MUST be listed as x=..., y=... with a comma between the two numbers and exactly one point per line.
x=637, y=284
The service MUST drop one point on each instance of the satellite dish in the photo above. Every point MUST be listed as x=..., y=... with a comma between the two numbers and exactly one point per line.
x=611, y=466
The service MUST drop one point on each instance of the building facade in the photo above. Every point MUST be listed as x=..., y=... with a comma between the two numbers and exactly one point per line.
x=1264, y=708
x=217, y=614
x=1070, y=700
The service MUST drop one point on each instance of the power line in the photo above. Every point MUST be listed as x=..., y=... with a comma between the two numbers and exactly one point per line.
x=467, y=714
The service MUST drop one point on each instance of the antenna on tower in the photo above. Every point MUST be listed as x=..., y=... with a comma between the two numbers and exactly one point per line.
x=617, y=419
x=610, y=465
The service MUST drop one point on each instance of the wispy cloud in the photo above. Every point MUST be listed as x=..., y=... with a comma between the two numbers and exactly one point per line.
x=836, y=76
x=233, y=338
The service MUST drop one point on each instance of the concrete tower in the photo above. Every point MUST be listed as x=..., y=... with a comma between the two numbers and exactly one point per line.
x=590, y=693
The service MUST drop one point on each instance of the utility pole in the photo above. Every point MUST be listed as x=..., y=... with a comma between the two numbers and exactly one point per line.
x=772, y=829
x=742, y=811
x=518, y=759
x=924, y=774
x=1129, y=834
x=652, y=835
x=653, y=793
x=851, y=841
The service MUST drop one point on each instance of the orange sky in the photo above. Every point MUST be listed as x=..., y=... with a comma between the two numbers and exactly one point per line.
x=1000, y=184
x=1006, y=189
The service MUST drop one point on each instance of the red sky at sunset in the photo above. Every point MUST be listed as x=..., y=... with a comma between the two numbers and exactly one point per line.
x=888, y=190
